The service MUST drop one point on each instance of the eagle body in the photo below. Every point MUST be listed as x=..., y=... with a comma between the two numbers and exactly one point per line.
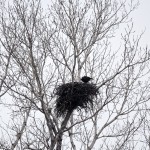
x=85, y=79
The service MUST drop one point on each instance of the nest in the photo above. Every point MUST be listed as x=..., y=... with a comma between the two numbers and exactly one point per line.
x=73, y=96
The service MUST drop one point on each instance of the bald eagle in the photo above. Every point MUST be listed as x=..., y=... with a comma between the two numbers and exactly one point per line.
x=86, y=79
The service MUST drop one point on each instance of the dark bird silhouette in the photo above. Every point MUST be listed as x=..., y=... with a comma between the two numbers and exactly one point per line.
x=86, y=79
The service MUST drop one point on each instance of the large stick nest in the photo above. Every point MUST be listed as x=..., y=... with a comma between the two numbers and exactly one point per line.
x=73, y=96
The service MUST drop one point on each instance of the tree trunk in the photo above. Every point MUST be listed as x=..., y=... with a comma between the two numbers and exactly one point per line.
x=60, y=134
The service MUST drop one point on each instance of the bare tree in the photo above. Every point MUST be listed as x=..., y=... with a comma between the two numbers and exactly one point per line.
x=41, y=49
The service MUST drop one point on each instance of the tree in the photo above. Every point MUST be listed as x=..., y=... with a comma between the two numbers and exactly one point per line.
x=43, y=49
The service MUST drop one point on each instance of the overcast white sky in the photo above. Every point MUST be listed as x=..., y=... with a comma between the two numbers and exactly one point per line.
x=141, y=18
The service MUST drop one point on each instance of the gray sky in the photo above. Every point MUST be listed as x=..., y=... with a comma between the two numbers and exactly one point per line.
x=141, y=19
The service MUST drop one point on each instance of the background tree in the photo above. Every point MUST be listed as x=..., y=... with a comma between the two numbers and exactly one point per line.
x=42, y=49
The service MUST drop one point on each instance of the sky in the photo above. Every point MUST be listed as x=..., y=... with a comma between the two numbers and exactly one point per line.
x=141, y=19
